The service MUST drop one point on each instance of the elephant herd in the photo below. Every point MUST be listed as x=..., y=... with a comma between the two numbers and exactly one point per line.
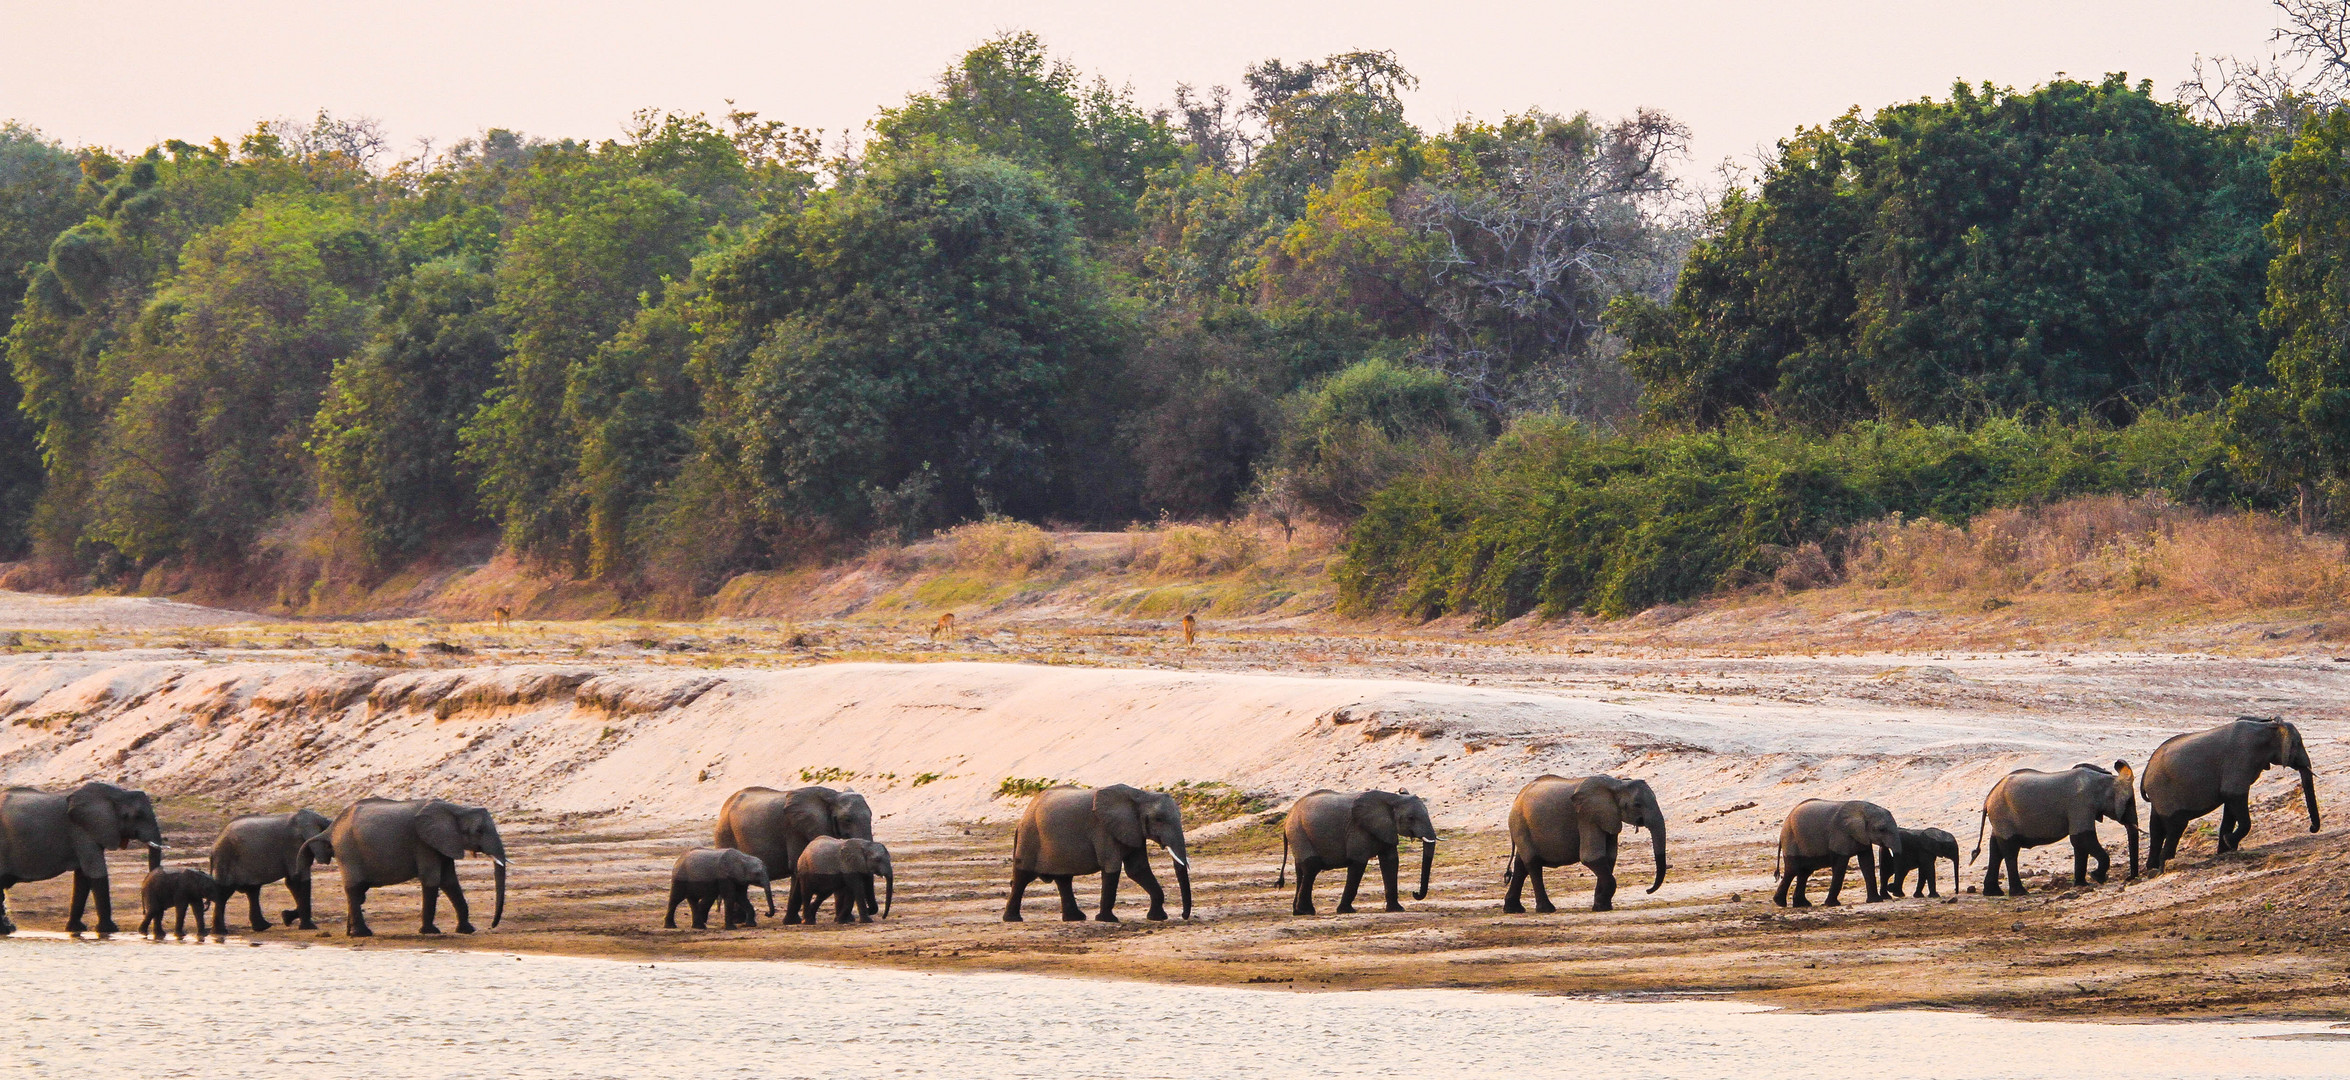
x=823, y=841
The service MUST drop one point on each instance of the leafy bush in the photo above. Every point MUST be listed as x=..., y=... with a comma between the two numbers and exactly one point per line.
x=1021, y=787
x=1557, y=518
x=1206, y=801
x=1357, y=431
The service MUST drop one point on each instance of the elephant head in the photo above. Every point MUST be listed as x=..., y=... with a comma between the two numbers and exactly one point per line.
x=875, y=860
x=1869, y=825
x=750, y=870
x=2290, y=752
x=308, y=824
x=1132, y=816
x=113, y=817
x=454, y=831
x=2120, y=803
x=852, y=817
x=1611, y=804
x=1391, y=816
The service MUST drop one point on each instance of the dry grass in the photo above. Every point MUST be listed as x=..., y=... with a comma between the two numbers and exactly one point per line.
x=1195, y=550
x=1001, y=545
x=2110, y=545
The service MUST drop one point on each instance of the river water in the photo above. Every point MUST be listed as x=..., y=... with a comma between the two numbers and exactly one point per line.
x=131, y=1008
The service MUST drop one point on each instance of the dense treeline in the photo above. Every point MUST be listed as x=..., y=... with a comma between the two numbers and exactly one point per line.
x=715, y=346
x=1529, y=367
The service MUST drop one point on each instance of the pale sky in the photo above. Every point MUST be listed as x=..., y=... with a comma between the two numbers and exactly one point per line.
x=128, y=73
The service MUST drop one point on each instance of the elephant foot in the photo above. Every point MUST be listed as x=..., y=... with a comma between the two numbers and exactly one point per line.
x=261, y=926
x=464, y=928
x=1392, y=906
x=1157, y=916
x=1992, y=890
x=77, y=927
x=430, y=930
x=1509, y=908
x=669, y=924
x=1344, y=909
x=869, y=918
x=2098, y=877
x=358, y=930
x=1009, y=916
x=1107, y=916
x=1801, y=902
x=1603, y=905
x=1072, y=916
x=289, y=918
x=793, y=920
x=1545, y=909
x=106, y=927
x=307, y=925
x=1301, y=911
x=6, y=927
x=1832, y=902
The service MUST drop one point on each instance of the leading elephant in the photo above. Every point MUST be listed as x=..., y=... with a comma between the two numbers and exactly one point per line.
x=395, y=841
x=777, y=825
x=263, y=849
x=1821, y=834
x=2192, y=775
x=1068, y=832
x=44, y=834
x=2028, y=808
x=1557, y=821
x=1330, y=829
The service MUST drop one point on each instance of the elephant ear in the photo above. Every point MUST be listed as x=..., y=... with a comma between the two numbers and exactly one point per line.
x=1118, y=808
x=1374, y=813
x=1598, y=804
x=436, y=825
x=808, y=816
x=91, y=808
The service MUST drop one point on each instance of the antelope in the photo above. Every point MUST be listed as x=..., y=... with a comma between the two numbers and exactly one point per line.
x=944, y=626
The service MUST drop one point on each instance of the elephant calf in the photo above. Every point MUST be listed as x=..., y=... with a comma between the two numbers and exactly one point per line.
x=1919, y=850
x=173, y=892
x=844, y=870
x=705, y=876
x=2028, y=808
x=1824, y=835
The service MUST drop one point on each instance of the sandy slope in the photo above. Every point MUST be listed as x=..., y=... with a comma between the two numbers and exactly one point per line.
x=32, y=611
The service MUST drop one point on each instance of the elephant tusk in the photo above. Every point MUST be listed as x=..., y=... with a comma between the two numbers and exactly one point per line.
x=499, y=861
x=154, y=845
x=1179, y=860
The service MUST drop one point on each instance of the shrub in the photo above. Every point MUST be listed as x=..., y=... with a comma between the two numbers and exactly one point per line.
x=1021, y=787
x=1000, y=544
x=1197, y=550
x=1357, y=431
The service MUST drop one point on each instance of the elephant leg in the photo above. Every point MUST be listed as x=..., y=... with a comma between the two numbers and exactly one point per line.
x=728, y=910
x=1872, y=892
x=179, y=921
x=1926, y=875
x=103, y=898
x=2178, y=831
x=1802, y=885
x=1510, y=902
x=1836, y=874
x=799, y=889
x=1387, y=861
x=701, y=911
x=1109, y=894
x=676, y=897
x=1303, y=903
x=1354, y=882
x=1070, y=912
x=844, y=900
x=81, y=900
x=1138, y=867
x=742, y=899
x=2154, y=835
x=2085, y=848
x=456, y=891
x=432, y=906
x=1786, y=877
x=2015, y=877
x=1020, y=880
x=354, y=913
x=6, y=927
x=862, y=886
x=1603, y=885
x=2241, y=804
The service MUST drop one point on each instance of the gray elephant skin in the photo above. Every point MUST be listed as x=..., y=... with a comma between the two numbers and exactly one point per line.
x=1919, y=850
x=1822, y=834
x=264, y=849
x=706, y=875
x=1068, y=832
x=1557, y=821
x=842, y=870
x=2192, y=775
x=2028, y=808
x=173, y=892
x=1326, y=830
x=44, y=834
x=777, y=825
x=379, y=842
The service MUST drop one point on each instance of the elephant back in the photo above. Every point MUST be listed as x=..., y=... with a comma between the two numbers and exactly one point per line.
x=2183, y=774
x=764, y=822
x=1056, y=833
x=1543, y=823
x=36, y=836
x=375, y=841
x=1320, y=823
x=828, y=855
x=1815, y=830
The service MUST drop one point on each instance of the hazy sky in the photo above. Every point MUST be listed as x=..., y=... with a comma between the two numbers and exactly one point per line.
x=127, y=73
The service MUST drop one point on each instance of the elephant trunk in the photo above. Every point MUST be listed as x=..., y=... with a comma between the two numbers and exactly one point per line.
x=889, y=892
x=155, y=853
x=498, y=875
x=1183, y=885
x=1656, y=841
x=2132, y=829
x=768, y=884
x=1427, y=862
x=2309, y=795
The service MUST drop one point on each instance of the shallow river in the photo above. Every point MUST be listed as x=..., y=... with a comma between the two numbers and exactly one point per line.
x=129, y=1008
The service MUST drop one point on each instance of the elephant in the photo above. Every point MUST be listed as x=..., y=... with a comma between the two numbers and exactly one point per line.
x=2192, y=775
x=1070, y=831
x=2028, y=808
x=173, y=892
x=262, y=849
x=44, y=834
x=1329, y=829
x=1825, y=834
x=776, y=825
x=844, y=870
x=1557, y=821
x=394, y=841
x=704, y=875
x=1919, y=849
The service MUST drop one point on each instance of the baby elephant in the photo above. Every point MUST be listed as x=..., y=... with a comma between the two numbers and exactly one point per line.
x=1919, y=850
x=705, y=876
x=844, y=870
x=174, y=892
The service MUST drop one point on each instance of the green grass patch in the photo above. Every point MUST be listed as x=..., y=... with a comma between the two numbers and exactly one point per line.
x=1215, y=800
x=1021, y=787
x=825, y=775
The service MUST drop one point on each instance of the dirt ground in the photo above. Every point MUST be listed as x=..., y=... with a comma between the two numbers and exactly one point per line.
x=2263, y=932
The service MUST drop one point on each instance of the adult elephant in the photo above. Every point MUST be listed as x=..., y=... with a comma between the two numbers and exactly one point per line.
x=2028, y=808
x=2192, y=775
x=1557, y=821
x=777, y=825
x=395, y=841
x=44, y=834
x=1068, y=832
x=1822, y=834
x=264, y=849
x=1330, y=829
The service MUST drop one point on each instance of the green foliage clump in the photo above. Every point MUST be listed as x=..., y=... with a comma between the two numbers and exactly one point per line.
x=1207, y=801
x=1556, y=517
x=1021, y=787
x=1346, y=438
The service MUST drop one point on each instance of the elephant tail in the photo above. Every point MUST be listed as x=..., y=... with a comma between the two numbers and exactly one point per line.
x=1280, y=876
x=1981, y=824
x=1779, y=857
